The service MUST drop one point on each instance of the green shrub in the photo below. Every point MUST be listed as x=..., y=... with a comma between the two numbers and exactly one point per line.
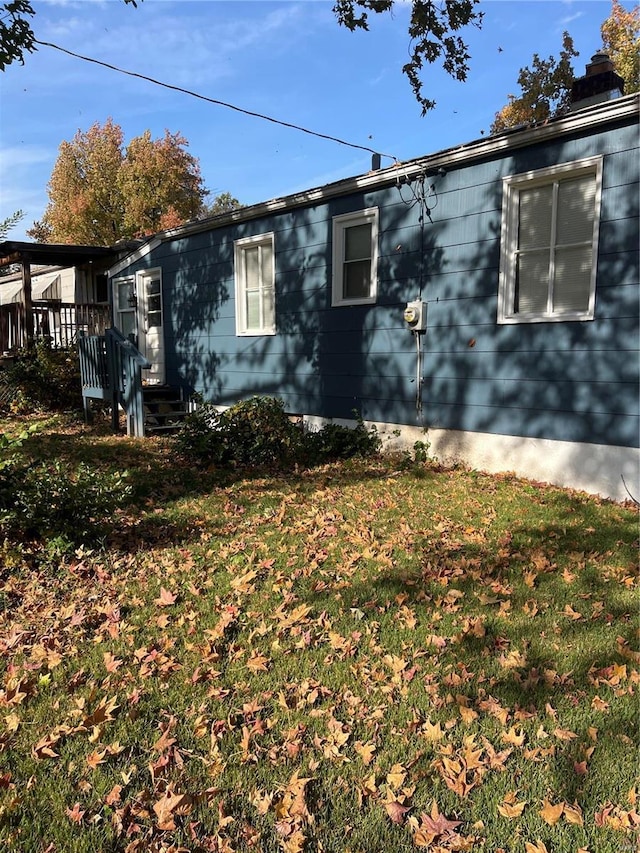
x=46, y=379
x=334, y=441
x=51, y=501
x=9, y=445
x=252, y=432
x=11, y=471
x=258, y=432
x=199, y=438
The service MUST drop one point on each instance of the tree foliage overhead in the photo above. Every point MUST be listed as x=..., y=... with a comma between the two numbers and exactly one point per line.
x=101, y=192
x=16, y=33
x=545, y=86
x=434, y=32
x=621, y=40
x=545, y=90
x=223, y=203
x=10, y=222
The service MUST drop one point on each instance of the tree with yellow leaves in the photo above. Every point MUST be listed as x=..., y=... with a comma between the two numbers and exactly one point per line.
x=621, y=40
x=545, y=87
x=102, y=191
x=545, y=90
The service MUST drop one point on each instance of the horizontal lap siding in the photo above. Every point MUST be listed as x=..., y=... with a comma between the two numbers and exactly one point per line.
x=322, y=360
x=567, y=381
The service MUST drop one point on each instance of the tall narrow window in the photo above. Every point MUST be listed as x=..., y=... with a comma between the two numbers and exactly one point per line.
x=355, y=258
x=125, y=305
x=550, y=222
x=255, y=285
x=153, y=299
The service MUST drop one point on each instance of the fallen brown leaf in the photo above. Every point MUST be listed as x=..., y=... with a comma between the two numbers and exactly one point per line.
x=166, y=598
x=551, y=814
x=396, y=811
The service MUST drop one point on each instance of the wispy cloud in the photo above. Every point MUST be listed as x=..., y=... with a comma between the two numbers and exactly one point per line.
x=16, y=157
x=568, y=19
x=18, y=166
x=73, y=4
x=180, y=49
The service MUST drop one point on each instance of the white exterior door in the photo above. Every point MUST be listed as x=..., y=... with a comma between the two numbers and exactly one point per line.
x=149, y=321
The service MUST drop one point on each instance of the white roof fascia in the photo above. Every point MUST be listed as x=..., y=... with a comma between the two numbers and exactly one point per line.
x=136, y=255
x=459, y=156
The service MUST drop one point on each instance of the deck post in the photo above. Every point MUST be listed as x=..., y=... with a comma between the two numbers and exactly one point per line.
x=27, y=302
x=113, y=369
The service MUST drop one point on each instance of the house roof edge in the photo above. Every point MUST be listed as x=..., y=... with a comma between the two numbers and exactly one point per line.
x=139, y=252
x=597, y=116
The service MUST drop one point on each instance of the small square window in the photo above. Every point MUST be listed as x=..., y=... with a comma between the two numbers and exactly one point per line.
x=549, y=243
x=255, y=285
x=355, y=258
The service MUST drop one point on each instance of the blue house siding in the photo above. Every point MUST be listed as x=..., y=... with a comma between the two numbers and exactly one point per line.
x=565, y=381
x=570, y=381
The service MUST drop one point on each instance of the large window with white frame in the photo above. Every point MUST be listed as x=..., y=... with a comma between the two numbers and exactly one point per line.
x=549, y=243
x=255, y=285
x=355, y=258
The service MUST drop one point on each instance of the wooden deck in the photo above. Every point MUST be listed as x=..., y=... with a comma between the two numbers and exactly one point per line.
x=59, y=324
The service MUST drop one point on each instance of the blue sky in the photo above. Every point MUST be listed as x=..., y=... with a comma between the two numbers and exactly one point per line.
x=289, y=60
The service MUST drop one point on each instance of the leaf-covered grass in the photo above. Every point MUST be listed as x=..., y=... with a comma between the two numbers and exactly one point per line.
x=361, y=657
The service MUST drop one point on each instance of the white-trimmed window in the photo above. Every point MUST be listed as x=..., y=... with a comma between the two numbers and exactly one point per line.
x=549, y=246
x=255, y=285
x=355, y=258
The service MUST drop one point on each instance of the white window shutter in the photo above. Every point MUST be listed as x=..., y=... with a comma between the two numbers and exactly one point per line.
x=574, y=254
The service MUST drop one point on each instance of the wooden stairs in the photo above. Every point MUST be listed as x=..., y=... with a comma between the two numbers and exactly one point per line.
x=111, y=370
x=164, y=409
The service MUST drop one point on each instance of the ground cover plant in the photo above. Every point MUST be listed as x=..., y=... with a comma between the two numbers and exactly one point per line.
x=372, y=655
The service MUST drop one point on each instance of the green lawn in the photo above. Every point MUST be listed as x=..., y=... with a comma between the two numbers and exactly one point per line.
x=368, y=656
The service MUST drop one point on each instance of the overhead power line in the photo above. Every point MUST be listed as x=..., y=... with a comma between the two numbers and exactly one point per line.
x=215, y=101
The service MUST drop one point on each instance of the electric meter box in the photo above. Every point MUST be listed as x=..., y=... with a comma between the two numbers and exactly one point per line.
x=415, y=316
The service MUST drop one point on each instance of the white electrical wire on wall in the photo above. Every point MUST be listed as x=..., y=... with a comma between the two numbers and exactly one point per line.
x=418, y=374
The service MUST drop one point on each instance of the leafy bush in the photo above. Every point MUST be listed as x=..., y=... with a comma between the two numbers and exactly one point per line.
x=334, y=441
x=419, y=457
x=199, y=438
x=50, y=501
x=10, y=444
x=10, y=471
x=259, y=432
x=46, y=379
x=252, y=432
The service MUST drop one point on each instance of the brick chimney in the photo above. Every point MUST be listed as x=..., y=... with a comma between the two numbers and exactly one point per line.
x=600, y=83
